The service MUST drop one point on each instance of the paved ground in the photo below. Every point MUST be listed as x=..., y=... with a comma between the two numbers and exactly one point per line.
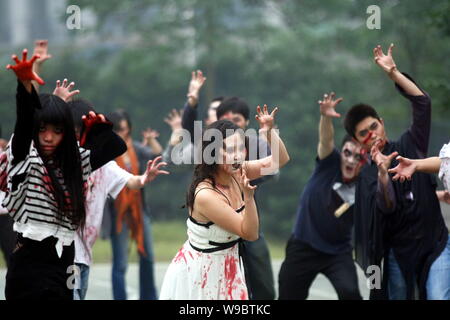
x=100, y=282
x=100, y=278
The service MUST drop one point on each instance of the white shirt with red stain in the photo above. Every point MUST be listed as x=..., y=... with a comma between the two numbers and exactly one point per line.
x=106, y=181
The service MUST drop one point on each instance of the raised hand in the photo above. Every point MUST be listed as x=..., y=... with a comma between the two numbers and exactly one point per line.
x=328, y=105
x=196, y=83
x=153, y=170
x=41, y=49
x=404, y=170
x=386, y=62
x=382, y=161
x=63, y=90
x=24, y=69
x=149, y=134
x=266, y=120
x=89, y=122
x=173, y=119
x=244, y=182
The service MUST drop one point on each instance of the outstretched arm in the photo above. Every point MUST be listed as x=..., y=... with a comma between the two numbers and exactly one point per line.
x=407, y=167
x=26, y=100
x=326, y=129
x=150, y=139
x=173, y=119
x=196, y=83
x=279, y=155
x=420, y=101
x=387, y=64
x=190, y=109
x=153, y=170
x=40, y=49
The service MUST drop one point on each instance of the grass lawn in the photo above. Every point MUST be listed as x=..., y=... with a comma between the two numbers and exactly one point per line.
x=168, y=237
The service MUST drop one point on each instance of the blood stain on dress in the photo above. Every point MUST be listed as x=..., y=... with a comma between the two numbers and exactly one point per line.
x=179, y=256
x=230, y=274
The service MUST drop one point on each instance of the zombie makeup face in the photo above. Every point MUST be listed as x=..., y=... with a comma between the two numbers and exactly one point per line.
x=233, y=154
x=351, y=161
x=369, y=131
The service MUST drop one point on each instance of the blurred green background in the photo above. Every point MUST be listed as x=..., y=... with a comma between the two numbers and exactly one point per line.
x=138, y=55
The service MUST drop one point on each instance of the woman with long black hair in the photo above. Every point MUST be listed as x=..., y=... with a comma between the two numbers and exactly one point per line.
x=222, y=210
x=45, y=193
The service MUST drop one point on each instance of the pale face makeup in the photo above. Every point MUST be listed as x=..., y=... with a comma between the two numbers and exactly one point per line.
x=233, y=154
x=351, y=161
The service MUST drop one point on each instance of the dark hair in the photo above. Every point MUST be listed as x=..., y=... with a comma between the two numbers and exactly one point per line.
x=221, y=98
x=203, y=170
x=66, y=157
x=235, y=105
x=348, y=138
x=117, y=116
x=79, y=108
x=356, y=114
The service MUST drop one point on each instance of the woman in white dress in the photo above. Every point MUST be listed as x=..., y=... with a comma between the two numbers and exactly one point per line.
x=222, y=211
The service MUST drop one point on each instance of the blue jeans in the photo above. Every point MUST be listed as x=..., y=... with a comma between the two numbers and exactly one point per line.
x=438, y=282
x=119, y=243
x=80, y=293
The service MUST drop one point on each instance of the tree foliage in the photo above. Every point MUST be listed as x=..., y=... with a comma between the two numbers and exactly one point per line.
x=280, y=52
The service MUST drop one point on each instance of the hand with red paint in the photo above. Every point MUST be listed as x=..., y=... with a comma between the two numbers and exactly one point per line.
x=24, y=69
x=90, y=121
x=328, y=105
x=63, y=90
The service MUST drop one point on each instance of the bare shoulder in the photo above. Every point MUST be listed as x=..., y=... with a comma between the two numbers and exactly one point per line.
x=206, y=195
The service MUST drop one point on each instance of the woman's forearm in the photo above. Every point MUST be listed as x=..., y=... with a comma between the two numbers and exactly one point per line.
x=428, y=165
x=278, y=150
x=135, y=182
x=155, y=146
x=250, y=223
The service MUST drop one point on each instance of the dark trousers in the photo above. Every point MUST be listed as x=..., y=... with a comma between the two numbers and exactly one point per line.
x=8, y=237
x=258, y=269
x=36, y=271
x=303, y=263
